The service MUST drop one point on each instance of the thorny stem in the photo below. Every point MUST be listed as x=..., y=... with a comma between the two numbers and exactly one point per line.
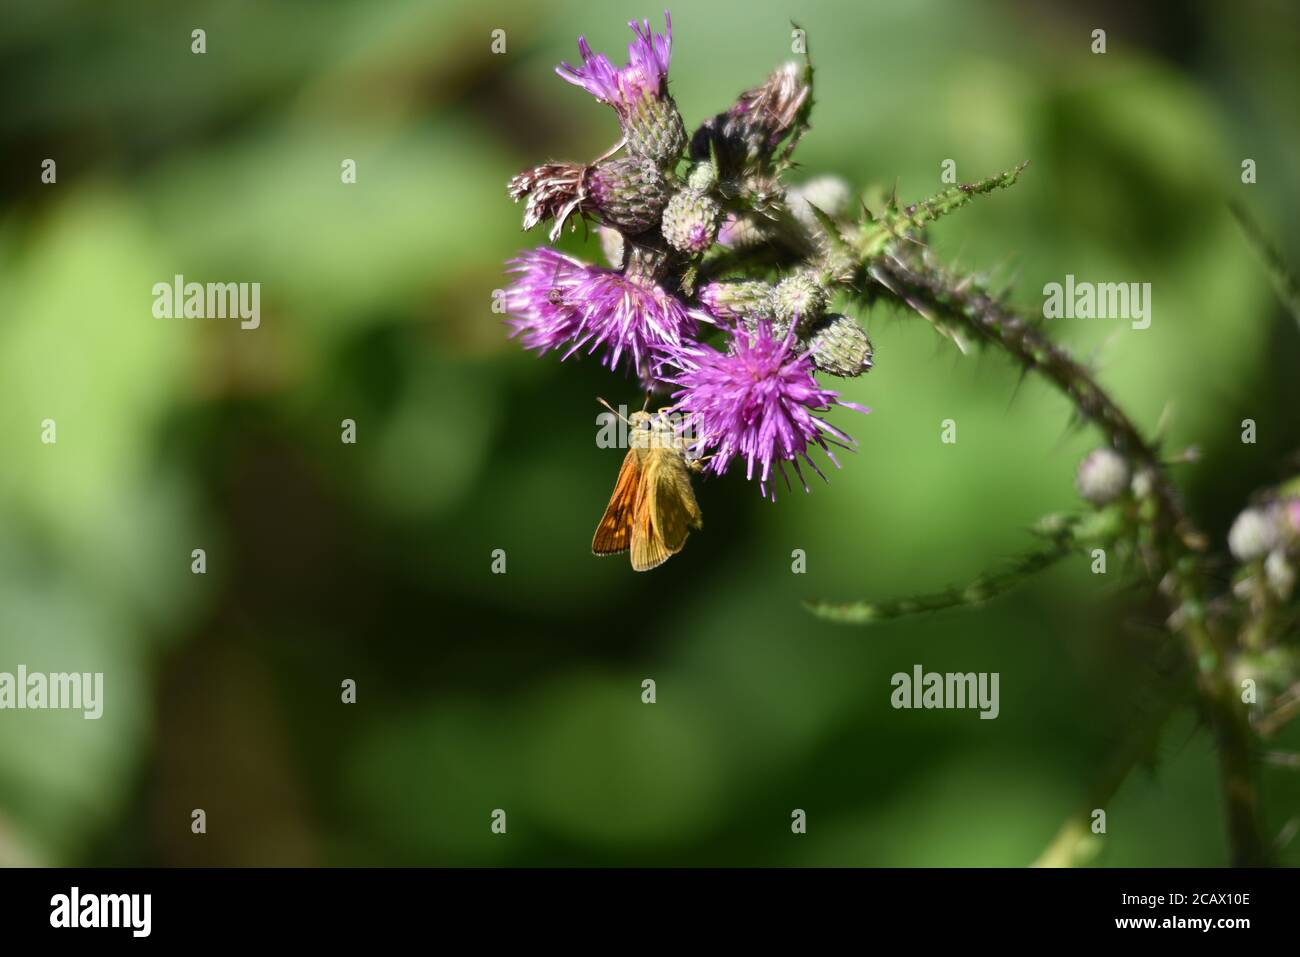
x=958, y=306
x=982, y=589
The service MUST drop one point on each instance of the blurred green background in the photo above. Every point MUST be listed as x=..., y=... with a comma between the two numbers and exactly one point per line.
x=372, y=561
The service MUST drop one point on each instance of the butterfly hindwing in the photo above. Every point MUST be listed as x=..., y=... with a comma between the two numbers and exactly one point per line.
x=648, y=549
x=666, y=511
x=675, y=511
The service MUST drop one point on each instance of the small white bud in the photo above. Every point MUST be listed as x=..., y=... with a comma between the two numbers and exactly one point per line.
x=1103, y=476
x=1253, y=535
x=1280, y=574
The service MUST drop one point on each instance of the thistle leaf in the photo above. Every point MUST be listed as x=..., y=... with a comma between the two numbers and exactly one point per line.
x=1284, y=280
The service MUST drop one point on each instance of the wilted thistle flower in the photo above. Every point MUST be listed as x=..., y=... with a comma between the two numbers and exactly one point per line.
x=638, y=92
x=560, y=301
x=745, y=136
x=756, y=401
x=1254, y=534
x=627, y=193
x=1103, y=476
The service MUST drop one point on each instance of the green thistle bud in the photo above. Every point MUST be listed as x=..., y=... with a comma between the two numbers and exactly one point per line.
x=654, y=130
x=1103, y=476
x=702, y=177
x=800, y=299
x=690, y=221
x=740, y=299
x=628, y=193
x=839, y=346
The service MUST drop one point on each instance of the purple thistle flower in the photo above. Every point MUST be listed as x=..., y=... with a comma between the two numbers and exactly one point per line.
x=652, y=127
x=756, y=401
x=556, y=300
x=645, y=76
x=623, y=313
x=540, y=299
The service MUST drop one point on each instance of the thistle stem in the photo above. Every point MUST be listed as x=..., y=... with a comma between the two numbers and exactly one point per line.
x=961, y=308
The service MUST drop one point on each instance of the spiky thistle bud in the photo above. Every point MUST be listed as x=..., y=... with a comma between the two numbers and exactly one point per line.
x=800, y=299
x=654, y=129
x=1103, y=476
x=839, y=346
x=628, y=193
x=690, y=221
x=735, y=300
x=703, y=177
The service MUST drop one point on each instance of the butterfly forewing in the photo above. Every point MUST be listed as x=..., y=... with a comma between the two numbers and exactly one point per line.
x=614, y=532
x=648, y=548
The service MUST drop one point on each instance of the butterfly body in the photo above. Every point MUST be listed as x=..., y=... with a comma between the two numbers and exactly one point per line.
x=653, y=508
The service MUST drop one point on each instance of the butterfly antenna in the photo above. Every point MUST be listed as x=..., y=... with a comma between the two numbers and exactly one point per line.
x=612, y=409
